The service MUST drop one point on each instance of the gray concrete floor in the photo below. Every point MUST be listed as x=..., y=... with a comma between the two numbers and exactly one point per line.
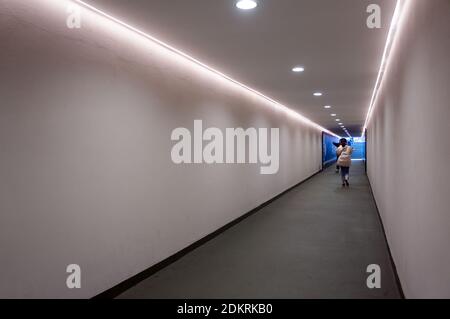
x=316, y=241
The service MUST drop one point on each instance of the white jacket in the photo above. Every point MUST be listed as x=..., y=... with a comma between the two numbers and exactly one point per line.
x=345, y=156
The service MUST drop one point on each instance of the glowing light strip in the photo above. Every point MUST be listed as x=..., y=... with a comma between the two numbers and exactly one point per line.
x=398, y=12
x=201, y=64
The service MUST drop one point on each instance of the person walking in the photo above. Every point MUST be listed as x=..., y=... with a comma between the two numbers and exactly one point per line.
x=344, y=152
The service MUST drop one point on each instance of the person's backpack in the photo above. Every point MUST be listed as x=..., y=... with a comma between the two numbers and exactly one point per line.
x=345, y=158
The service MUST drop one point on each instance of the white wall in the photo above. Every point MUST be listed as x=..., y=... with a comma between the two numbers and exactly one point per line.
x=409, y=150
x=85, y=170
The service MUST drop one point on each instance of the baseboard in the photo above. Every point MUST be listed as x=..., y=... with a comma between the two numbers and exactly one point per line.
x=394, y=268
x=133, y=281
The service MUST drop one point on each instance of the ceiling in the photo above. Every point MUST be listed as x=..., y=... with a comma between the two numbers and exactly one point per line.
x=259, y=47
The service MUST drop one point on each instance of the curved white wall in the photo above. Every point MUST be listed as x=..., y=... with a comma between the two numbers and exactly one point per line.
x=85, y=170
x=408, y=149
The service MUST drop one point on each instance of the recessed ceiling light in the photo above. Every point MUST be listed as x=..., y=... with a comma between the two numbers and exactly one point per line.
x=298, y=69
x=338, y=120
x=340, y=123
x=327, y=106
x=317, y=94
x=246, y=4
x=333, y=114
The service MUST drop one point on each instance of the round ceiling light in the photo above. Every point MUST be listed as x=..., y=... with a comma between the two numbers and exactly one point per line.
x=246, y=4
x=318, y=94
x=298, y=69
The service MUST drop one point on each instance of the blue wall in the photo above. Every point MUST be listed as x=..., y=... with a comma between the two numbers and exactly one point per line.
x=328, y=149
x=359, y=148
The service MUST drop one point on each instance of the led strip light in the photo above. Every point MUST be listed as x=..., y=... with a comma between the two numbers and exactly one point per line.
x=201, y=64
x=392, y=35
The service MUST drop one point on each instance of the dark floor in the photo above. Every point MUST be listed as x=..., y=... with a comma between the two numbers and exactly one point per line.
x=316, y=241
